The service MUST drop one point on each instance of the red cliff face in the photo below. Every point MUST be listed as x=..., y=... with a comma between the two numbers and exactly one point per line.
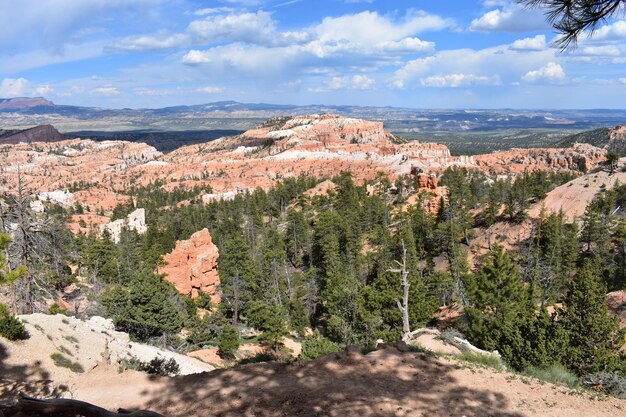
x=192, y=266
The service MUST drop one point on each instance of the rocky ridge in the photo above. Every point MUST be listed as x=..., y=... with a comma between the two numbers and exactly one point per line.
x=43, y=133
x=317, y=145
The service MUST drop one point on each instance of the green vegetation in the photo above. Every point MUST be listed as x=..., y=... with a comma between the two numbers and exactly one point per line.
x=156, y=366
x=317, y=345
x=62, y=361
x=554, y=374
x=484, y=360
x=228, y=342
x=290, y=262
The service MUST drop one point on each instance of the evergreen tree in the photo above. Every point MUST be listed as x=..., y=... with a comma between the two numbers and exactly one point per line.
x=500, y=308
x=592, y=344
x=146, y=307
x=228, y=342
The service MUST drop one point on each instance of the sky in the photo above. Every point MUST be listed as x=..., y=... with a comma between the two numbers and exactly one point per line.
x=403, y=53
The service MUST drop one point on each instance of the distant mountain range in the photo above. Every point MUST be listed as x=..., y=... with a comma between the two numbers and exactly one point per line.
x=230, y=115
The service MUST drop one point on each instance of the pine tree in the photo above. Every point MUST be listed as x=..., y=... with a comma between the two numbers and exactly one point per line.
x=228, y=342
x=592, y=332
x=500, y=308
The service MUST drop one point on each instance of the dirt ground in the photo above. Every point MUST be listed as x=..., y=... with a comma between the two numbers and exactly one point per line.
x=382, y=383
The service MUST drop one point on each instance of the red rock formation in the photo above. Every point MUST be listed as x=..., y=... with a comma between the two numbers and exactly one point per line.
x=192, y=266
x=43, y=133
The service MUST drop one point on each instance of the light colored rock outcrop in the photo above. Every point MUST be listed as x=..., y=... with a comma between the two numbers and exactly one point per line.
x=134, y=221
x=192, y=266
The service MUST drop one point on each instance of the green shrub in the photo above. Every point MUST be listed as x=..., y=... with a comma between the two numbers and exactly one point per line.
x=228, y=342
x=10, y=327
x=157, y=366
x=611, y=383
x=555, y=374
x=485, y=360
x=258, y=358
x=317, y=345
x=56, y=309
x=63, y=362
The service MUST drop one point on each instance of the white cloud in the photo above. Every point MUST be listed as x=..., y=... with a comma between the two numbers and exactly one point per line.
x=106, y=91
x=406, y=45
x=52, y=23
x=210, y=90
x=44, y=90
x=460, y=80
x=510, y=65
x=622, y=80
x=550, y=72
x=149, y=43
x=197, y=57
x=14, y=87
x=613, y=31
x=213, y=10
x=538, y=43
x=601, y=50
x=356, y=82
x=509, y=17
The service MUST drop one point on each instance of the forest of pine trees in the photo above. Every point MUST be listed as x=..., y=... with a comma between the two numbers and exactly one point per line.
x=290, y=262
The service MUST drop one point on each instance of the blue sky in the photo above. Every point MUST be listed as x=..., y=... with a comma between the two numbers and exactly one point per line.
x=405, y=53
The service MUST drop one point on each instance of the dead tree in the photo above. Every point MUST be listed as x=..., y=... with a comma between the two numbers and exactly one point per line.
x=404, y=304
x=27, y=406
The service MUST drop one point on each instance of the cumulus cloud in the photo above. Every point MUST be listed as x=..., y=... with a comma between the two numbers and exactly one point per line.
x=14, y=87
x=356, y=82
x=538, y=43
x=407, y=45
x=460, y=80
x=613, y=31
x=502, y=60
x=550, y=72
x=509, y=17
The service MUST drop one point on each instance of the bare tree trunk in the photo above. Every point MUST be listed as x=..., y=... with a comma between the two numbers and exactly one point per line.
x=27, y=406
x=403, y=305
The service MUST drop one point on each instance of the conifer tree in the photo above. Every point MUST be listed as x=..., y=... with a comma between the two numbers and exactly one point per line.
x=592, y=332
x=500, y=308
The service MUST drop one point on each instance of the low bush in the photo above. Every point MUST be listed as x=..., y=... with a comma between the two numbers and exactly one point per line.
x=317, y=345
x=486, y=360
x=10, y=327
x=555, y=374
x=157, y=366
x=610, y=383
x=64, y=362
x=258, y=358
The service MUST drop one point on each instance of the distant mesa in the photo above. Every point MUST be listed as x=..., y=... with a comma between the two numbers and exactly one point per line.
x=42, y=133
x=23, y=103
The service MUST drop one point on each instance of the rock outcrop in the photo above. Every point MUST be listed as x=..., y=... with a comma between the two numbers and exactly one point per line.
x=43, y=133
x=192, y=266
x=580, y=157
x=134, y=221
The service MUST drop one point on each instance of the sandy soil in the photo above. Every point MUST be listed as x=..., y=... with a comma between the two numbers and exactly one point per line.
x=383, y=383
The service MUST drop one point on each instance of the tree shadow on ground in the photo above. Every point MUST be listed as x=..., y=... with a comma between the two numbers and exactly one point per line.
x=384, y=383
x=30, y=379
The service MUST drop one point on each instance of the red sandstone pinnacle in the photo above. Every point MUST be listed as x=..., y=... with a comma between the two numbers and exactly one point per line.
x=192, y=266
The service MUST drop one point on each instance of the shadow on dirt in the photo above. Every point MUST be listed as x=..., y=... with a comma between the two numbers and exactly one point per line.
x=384, y=383
x=31, y=379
